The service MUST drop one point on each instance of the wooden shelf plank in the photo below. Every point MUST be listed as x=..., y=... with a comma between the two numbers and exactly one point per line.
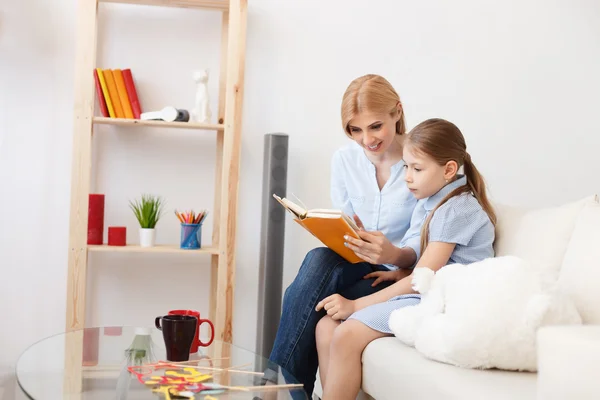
x=132, y=248
x=139, y=122
x=221, y=5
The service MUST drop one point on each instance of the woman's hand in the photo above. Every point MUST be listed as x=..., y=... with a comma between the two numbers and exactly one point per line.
x=337, y=307
x=374, y=247
x=382, y=276
x=359, y=223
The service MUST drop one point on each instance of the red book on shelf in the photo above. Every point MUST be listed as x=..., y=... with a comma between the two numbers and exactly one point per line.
x=132, y=93
x=100, y=94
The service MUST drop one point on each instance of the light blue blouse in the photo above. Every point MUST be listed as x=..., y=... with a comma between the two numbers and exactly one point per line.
x=354, y=190
x=461, y=220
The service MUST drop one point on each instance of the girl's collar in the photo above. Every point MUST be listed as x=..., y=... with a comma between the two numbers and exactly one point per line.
x=435, y=199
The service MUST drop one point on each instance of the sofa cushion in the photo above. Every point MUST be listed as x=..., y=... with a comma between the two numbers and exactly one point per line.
x=580, y=272
x=392, y=370
x=538, y=235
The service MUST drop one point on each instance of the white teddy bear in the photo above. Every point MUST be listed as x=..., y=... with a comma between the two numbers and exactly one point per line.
x=482, y=315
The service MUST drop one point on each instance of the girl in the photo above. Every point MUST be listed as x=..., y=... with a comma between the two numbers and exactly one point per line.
x=367, y=180
x=458, y=227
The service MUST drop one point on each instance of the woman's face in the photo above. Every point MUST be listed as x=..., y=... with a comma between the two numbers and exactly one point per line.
x=373, y=132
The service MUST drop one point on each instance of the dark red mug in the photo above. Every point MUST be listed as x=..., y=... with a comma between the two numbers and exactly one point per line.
x=197, y=342
x=179, y=332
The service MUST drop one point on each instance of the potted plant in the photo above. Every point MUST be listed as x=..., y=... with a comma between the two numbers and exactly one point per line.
x=148, y=211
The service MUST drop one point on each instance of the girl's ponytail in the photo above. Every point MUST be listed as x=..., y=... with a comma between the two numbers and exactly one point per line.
x=477, y=185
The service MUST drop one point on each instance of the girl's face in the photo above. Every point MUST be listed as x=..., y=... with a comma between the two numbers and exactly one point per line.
x=373, y=132
x=425, y=177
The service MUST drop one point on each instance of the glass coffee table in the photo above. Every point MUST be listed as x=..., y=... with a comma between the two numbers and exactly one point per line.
x=107, y=370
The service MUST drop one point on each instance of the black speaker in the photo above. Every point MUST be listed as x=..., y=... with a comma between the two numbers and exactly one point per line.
x=272, y=239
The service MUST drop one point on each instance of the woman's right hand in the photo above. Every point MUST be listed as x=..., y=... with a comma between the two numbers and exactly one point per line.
x=358, y=223
x=382, y=276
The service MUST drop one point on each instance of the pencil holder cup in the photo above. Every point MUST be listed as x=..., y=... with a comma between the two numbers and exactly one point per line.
x=191, y=236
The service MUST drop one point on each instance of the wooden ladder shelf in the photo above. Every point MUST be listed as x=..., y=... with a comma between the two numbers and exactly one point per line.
x=228, y=145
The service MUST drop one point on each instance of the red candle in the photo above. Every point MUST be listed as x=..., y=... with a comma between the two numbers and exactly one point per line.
x=96, y=219
x=91, y=339
x=117, y=235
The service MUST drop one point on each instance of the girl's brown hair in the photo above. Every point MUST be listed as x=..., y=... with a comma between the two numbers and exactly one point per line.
x=443, y=142
x=371, y=93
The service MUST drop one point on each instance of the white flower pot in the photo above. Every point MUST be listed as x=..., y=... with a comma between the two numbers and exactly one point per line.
x=147, y=237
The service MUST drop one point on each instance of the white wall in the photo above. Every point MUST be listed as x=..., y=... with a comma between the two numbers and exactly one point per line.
x=520, y=78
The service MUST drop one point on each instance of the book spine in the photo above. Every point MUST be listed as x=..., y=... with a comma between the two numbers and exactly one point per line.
x=125, y=103
x=100, y=95
x=114, y=94
x=109, y=106
x=136, y=107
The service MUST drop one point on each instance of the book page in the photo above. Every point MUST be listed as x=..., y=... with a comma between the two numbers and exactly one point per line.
x=312, y=214
x=292, y=207
x=301, y=213
x=351, y=222
x=325, y=211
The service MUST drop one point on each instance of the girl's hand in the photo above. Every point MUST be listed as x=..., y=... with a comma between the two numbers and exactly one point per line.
x=374, y=247
x=387, y=276
x=337, y=307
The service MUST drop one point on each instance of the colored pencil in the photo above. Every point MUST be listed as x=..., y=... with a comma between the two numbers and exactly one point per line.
x=191, y=217
x=179, y=216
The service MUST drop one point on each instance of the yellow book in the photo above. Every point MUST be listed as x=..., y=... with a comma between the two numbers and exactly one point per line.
x=114, y=94
x=125, y=103
x=109, y=106
x=329, y=226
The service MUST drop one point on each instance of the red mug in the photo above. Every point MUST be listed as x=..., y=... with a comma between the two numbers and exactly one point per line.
x=197, y=342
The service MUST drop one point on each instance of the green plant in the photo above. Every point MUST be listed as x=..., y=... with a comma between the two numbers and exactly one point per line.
x=148, y=210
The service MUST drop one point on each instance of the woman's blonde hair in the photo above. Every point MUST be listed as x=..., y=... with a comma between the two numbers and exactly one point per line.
x=372, y=93
x=443, y=141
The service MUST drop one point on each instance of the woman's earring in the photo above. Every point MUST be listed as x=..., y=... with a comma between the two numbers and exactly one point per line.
x=447, y=180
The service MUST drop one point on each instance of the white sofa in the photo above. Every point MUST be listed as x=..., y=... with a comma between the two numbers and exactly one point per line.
x=567, y=240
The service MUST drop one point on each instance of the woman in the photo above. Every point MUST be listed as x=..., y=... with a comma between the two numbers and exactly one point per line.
x=367, y=182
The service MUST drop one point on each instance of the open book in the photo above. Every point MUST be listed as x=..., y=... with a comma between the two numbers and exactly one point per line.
x=329, y=226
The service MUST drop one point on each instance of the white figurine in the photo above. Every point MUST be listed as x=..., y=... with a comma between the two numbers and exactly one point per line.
x=201, y=112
